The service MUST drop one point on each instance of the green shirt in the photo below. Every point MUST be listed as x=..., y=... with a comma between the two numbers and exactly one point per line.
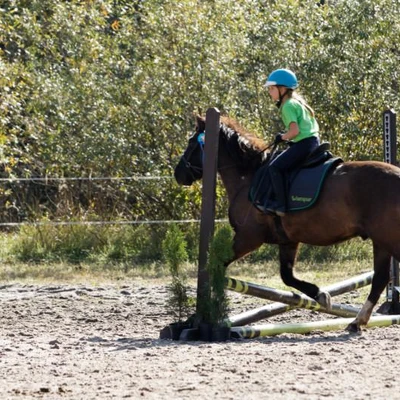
x=293, y=111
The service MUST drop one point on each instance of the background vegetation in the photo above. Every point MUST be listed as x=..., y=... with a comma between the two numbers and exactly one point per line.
x=108, y=88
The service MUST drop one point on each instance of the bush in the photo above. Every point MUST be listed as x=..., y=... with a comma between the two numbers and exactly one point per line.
x=174, y=253
x=120, y=102
x=221, y=252
x=78, y=243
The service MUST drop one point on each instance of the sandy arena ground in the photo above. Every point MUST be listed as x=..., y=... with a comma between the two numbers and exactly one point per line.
x=86, y=342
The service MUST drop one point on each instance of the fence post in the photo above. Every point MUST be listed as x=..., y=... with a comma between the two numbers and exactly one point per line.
x=390, y=153
x=208, y=200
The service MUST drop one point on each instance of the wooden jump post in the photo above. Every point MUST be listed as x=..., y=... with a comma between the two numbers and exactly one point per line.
x=392, y=304
x=207, y=223
x=210, y=158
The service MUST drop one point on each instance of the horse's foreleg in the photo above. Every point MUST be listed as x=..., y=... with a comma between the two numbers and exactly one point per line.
x=379, y=282
x=244, y=243
x=287, y=258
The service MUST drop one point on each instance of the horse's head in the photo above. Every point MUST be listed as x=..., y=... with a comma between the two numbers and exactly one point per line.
x=238, y=149
x=190, y=166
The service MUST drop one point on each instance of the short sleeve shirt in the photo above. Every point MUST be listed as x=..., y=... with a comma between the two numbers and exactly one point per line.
x=293, y=111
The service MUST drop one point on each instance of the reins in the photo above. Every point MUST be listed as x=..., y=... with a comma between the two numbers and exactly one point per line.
x=267, y=147
x=271, y=153
x=200, y=140
x=193, y=168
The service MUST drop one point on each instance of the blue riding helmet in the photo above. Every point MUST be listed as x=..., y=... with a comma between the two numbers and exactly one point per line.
x=282, y=77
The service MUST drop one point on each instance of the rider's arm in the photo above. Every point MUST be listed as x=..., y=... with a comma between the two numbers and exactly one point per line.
x=292, y=132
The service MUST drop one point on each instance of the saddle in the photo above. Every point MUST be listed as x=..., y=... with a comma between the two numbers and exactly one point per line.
x=318, y=156
x=304, y=184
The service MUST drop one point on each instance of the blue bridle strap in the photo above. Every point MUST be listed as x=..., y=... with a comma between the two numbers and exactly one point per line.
x=188, y=165
x=201, y=140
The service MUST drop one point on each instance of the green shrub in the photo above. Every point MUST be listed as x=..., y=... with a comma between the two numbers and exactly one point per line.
x=174, y=250
x=221, y=251
x=175, y=255
x=78, y=243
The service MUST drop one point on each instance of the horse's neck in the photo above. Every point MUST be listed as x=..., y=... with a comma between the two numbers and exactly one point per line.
x=231, y=177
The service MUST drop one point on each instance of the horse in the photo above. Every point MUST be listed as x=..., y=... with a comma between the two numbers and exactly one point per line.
x=358, y=199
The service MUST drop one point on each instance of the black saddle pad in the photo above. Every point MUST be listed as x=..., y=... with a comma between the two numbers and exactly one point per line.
x=305, y=184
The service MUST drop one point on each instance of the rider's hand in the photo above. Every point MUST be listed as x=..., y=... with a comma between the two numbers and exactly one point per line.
x=279, y=138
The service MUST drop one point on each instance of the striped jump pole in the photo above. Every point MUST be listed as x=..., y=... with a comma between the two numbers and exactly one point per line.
x=249, y=332
x=292, y=300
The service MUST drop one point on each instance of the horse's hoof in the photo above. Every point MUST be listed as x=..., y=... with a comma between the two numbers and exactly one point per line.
x=353, y=328
x=324, y=298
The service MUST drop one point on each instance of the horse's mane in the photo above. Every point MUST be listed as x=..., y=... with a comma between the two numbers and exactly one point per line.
x=244, y=146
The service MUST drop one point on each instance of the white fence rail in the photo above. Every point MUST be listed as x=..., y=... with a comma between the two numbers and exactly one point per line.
x=94, y=223
x=89, y=178
x=88, y=223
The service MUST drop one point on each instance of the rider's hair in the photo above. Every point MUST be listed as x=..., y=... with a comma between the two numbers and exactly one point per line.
x=295, y=95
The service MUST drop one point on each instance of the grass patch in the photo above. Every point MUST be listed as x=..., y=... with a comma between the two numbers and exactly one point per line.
x=266, y=274
x=263, y=273
x=80, y=243
x=87, y=253
x=83, y=272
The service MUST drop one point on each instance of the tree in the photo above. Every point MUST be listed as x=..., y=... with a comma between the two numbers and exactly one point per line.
x=109, y=88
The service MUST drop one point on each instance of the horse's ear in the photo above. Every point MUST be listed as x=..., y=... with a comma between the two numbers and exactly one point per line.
x=199, y=119
x=200, y=123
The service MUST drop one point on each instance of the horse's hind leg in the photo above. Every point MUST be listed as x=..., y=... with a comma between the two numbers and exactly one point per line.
x=379, y=282
x=287, y=257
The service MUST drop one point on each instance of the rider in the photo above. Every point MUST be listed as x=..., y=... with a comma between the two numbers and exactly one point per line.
x=302, y=132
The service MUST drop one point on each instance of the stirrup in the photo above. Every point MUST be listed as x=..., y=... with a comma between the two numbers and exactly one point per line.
x=264, y=210
x=280, y=213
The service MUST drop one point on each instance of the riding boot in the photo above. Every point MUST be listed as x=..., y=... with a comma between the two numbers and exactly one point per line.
x=265, y=200
x=261, y=189
x=279, y=187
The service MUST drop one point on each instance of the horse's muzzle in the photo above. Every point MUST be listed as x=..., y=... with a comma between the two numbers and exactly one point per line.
x=183, y=174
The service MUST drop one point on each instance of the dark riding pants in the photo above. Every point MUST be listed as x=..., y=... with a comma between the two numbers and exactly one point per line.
x=287, y=161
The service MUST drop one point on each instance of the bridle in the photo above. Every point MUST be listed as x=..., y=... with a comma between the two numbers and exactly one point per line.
x=193, y=168
x=200, y=141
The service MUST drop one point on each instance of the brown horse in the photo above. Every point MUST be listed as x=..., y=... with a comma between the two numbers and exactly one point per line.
x=357, y=199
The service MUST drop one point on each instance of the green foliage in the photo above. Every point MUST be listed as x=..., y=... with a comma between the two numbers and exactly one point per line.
x=79, y=243
x=174, y=253
x=143, y=244
x=109, y=88
x=130, y=244
x=221, y=251
x=355, y=249
x=174, y=250
x=178, y=301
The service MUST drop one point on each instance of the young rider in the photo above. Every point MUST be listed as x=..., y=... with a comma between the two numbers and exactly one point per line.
x=301, y=131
